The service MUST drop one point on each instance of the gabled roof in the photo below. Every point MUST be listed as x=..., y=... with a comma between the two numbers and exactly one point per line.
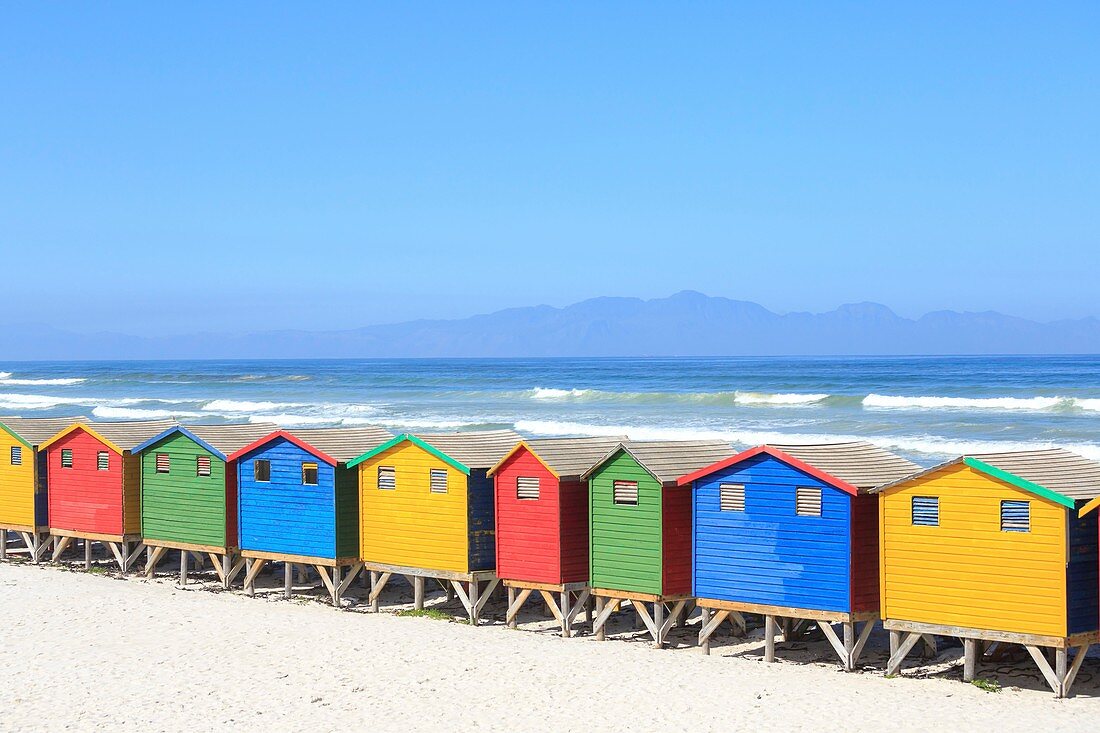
x=463, y=451
x=1051, y=473
x=33, y=431
x=331, y=445
x=566, y=458
x=852, y=467
x=667, y=460
x=221, y=440
x=121, y=437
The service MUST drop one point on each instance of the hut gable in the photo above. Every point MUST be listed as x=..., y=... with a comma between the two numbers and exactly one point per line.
x=23, y=491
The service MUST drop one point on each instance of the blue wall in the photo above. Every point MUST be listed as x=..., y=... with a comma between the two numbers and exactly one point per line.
x=284, y=515
x=482, y=521
x=1081, y=574
x=767, y=554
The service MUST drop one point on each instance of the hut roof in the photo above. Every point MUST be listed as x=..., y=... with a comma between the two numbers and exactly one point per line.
x=218, y=439
x=1053, y=473
x=668, y=460
x=34, y=431
x=344, y=444
x=474, y=449
x=566, y=457
x=121, y=436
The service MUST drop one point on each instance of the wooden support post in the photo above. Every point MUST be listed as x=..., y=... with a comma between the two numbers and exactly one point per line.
x=769, y=638
x=788, y=626
x=288, y=579
x=337, y=590
x=475, y=606
x=374, y=590
x=598, y=624
x=510, y=617
x=1061, y=669
x=566, y=615
x=1078, y=658
x=929, y=646
x=3, y=544
x=970, y=659
x=588, y=603
x=450, y=593
x=418, y=592
x=849, y=646
x=704, y=638
x=183, y=567
x=87, y=554
x=658, y=624
x=899, y=649
x=59, y=546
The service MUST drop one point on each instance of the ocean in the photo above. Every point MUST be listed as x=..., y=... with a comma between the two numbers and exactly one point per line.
x=926, y=408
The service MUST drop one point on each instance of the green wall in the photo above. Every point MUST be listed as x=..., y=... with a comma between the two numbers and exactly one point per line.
x=181, y=506
x=625, y=540
x=347, y=511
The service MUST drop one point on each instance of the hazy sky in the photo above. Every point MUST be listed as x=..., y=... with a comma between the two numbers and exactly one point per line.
x=200, y=167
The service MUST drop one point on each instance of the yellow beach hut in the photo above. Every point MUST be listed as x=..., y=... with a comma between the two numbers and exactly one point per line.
x=991, y=549
x=426, y=511
x=23, y=489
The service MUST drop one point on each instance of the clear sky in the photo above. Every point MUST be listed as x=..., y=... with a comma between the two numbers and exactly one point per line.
x=201, y=167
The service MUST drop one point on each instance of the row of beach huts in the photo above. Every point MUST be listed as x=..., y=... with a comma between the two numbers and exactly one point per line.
x=997, y=549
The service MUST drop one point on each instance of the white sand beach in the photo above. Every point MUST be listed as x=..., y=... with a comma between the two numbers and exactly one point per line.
x=94, y=651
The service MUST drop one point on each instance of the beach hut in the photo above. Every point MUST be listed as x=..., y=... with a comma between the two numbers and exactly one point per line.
x=189, y=495
x=640, y=529
x=542, y=523
x=23, y=488
x=426, y=511
x=94, y=483
x=790, y=532
x=991, y=549
x=298, y=503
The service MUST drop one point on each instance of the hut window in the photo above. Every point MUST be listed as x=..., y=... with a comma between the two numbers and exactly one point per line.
x=527, y=487
x=1015, y=516
x=66, y=457
x=309, y=474
x=807, y=501
x=731, y=497
x=438, y=481
x=261, y=470
x=17, y=455
x=926, y=511
x=103, y=461
x=163, y=463
x=202, y=466
x=387, y=478
x=626, y=492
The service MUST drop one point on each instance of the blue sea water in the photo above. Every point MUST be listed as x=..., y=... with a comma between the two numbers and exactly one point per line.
x=927, y=408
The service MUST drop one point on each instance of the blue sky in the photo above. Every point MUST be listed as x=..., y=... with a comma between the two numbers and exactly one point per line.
x=196, y=167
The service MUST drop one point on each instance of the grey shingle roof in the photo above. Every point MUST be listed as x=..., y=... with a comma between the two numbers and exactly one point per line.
x=129, y=435
x=668, y=460
x=570, y=457
x=37, y=430
x=1057, y=469
x=343, y=444
x=231, y=438
x=475, y=448
x=858, y=463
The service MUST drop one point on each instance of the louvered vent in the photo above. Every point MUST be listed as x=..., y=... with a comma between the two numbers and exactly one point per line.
x=926, y=511
x=163, y=463
x=387, y=478
x=17, y=455
x=1015, y=516
x=202, y=465
x=626, y=492
x=807, y=501
x=731, y=497
x=438, y=481
x=103, y=461
x=66, y=458
x=527, y=487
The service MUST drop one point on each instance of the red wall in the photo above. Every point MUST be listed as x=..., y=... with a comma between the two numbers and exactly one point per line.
x=82, y=498
x=528, y=531
x=574, y=532
x=865, y=596
x=231, y=505
x=676, y=531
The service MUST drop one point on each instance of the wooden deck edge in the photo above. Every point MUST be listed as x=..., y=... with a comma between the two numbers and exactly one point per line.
x=961, y=632
x=96, y=536
x=787, y=612
x=186, y=546
x=549, y=587
x=643, y=597
x=328, y=562
x=476, y=575
x=25, y=528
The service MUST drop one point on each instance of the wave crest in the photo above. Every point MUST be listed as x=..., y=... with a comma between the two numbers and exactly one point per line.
x=967, y=403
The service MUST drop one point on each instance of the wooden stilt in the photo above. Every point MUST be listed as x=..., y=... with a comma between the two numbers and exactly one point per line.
x=704, y=637
x=769, y=638
x=418, y=593
x=288, y=579
x=475, y=606
x=566, y=616
x=970, y=659
x=184, y=554
x=601, y=619
x=60, y=544
x=87, y=554
x=375, y=589
x=510, y=615
x=849, y=646
x=3, y=544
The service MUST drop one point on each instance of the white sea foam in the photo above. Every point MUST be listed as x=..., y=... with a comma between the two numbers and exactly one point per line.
x=131, y=413
x=6, y=380
x=5, y=375
x=39, y=402
x=245, y=406
x=549, y=393
x=783, y=398
x=965, y=403
x=935, y=447
x=1091, y=405
x=419, y=424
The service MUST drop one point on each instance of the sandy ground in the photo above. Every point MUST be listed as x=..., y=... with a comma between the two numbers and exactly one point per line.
x=95, y=651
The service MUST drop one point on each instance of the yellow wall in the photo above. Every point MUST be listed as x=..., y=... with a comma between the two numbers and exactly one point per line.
x=16, y=485
x=967, y=572
x=409, y=525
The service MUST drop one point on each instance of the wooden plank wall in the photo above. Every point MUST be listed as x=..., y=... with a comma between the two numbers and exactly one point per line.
x=528, y=539
x=625, y=540
x=83, y=498
x=16, y=484
x=181, y=506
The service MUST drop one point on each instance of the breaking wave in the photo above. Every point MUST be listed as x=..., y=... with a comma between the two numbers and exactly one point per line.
x=6, y=380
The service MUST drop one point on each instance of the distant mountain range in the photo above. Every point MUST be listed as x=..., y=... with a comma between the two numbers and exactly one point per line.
x=685, y=324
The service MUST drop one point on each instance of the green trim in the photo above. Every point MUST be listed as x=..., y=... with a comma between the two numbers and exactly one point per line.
x=1011, y=478
x=16, y=435
x=405, y=437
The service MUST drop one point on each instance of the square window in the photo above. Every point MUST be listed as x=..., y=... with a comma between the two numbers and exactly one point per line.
x=261, y=470
x=438, y=481
x=731, y=497
x=66, y=457
x=103, y=461
x=202, y=466
x=807, y=501
x=625, y=492
x=527, y=487
x=1015, y=516
x=309, y=474
x=17, y=455
x=163, y=463
x=387, y=478
x=926, y=511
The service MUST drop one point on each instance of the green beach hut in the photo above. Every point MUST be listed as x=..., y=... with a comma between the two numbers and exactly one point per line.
x=189, y=495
